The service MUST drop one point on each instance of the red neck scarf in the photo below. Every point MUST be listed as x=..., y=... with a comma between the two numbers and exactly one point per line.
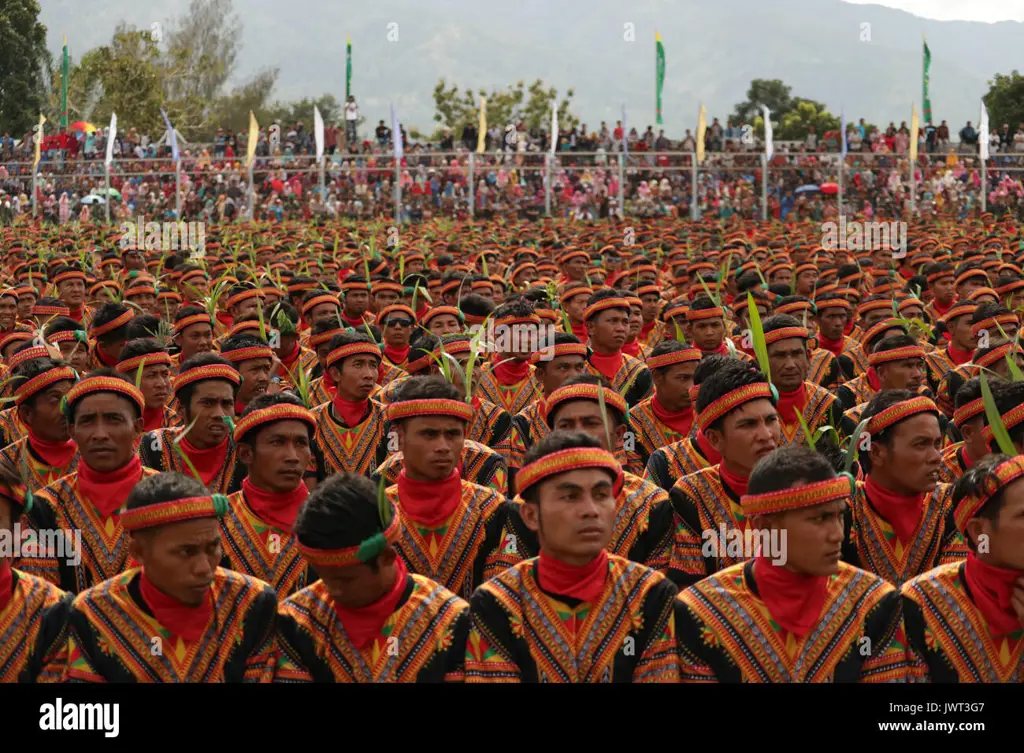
x=645, y=330
x=349, y=411
x=608, y=365
x=632, y=348
x=991, y=591
x=352, y=321
x=104, y=358
x=292, y=357
x=965, y=459
x=180, y=619
x=873, y=381
x=580, y=330
x=152, y=419
x=584, y=583
x=680, y=422
x=77, y=314
x=512, y=372
x=902, y=512
x=957, y=356
x=279, y=510
x=430, y=503
x=108, y=491
x=54, y=454
x=790, y=403
x=207, y=462
x=793, y=599
x=848, y=328
x=332, y=388
x=721, y=350
x=734, y=481
x=396, y=355
x=835, y=347
x=943, y=310
x=363, y=625
x=6, y=584
x=239, y=408
x=709, y=452
x=226, y=319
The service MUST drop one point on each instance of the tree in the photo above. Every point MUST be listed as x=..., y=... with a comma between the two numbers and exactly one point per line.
x=201, y=50
x=22, y=56
x=1005, y=99
x=289, y=112
x=513, y=104
x=232, y=110
x=773, y=93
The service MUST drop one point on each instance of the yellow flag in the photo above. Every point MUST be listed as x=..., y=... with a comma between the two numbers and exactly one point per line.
x=702, y=127
x=481, y=138
x=254, y=135
x=39, y=140
x=914, y=127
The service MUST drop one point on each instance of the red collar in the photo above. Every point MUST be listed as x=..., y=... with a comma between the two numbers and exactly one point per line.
x=790, y=403
x=721, y=350
x=632, y=348
x=208, y=463
x=965, y=460
x=108, y=491
x=279, y=510
x=873, y=381
x=835, y=347
x=580, y=330
x=153, y=419
x=957, y=356
x=991, y=590
x=180, y=619
x=735, y=482
x=349, y=411
x=900, y=511
x=397, y=356
x=54, y=454
x=292, y=357
x=352, y=321
x=104, y=358
x=363, y=625
x=680, y=422
x=608, y=365
x=707, y=449
x=583, y=583
x=793, y=600
x=511, y=372
x=430, y=503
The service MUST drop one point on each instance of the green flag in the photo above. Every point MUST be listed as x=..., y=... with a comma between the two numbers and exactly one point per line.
x=64, y=88
x=659, y=50
x=927, y=100
x=348, y=70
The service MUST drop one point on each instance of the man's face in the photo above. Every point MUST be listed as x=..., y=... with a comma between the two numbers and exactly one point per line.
x=814, y=538
x=444, y=324
x=636, y=322
x=145, y=301
x=575, y=268
x=384, y=298
x=970, y=285
x=211, y=401
x=43, y=414
x=575, y=514
x=672, y=385
x=431, y=446
x=789, y=363
x=255, y=378
x=873, y=317
x=555, y=372
x=907, y=374
x=25, y=304
x=746, y=435
x=8, y=312
x=609, y=329
x=805, y=282
x=397, y=330
x=708, y=334
x=105, y=431
x=155, y=385
x=357, y=376
x=72, y=292
x=585, y=416
x=358, y=586
x=575, y=307
x=246, y=310
x=356, y=302
x=325, y=312
x=196, y=338
x=180, y=559
x=831, y=323
x=75, y=354
x=912, y=455
x=103, y=295
x=194, y=290
x=1004, y=535
x=279, y=458
x=943, y=290
x=961, y=333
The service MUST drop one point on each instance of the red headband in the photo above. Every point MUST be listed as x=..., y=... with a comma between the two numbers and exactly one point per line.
x=176, y=511
x=732, y=400
x=420, y=408
x=281, y=412
x=565, y=461
x=96, y=384
x=900, y=412
x=796, y=498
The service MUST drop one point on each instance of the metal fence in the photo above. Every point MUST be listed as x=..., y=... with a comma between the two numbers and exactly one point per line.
x=578, y=185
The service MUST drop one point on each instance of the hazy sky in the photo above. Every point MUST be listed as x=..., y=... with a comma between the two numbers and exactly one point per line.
x=956, y=10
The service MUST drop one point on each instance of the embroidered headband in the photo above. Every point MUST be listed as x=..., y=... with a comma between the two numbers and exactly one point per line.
x=69, y=275
x=25, y=390
x=965, y=308
x=896, y=354
x=965, y=413
x=202, y=373
x=135, y=290
x=353, y=349
x=97, y=384
x=608, y=303
x=248, y=354
x=430, y=407
x=968, y=275
x=176, y=511
x=687, y=355
x=113, y=324
x=694, y=315
x=29, y=354
x=355, y=555
x=868, y=306
x=131, y=365
x=315, y=301
x=66, y=336
x=564, y=349
x=901, y=412
x=593, y=392
x=995, y=354
x=564, y=461
x=994, y=323
x=796, y=498
x=441, y=311
x=786, y=333
x=282, y=412
x=797, y=307
x=188, y=321
x=244, y=296
x=573, y=291
x=395, y=308
x=1005, y=473
x=1011, y=419
x=51, y=311
x=732, y=400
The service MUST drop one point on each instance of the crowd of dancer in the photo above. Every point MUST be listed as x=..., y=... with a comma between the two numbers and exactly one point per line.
x=519, y=452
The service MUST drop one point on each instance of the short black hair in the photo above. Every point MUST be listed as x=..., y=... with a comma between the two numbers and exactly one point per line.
x=518, y=307
x=145, y=325
x=107, y=313
x=106, y=373
x=702, y=303
x=894, y=342
x=975, y=482
x=238, y=342
x=709, y=365
x=988, y=310
x=731, y=376
x=880, y=402
x=786, y=466
x=779, y=321
x=184, y=395
x=614, y=413
x=340, y=513
x=556, y=441
x=164, y=487
x=141, y=346
x=969, y=392
x=475, y=304
x=268, y=400
x=347, y=338
x=1007, y=396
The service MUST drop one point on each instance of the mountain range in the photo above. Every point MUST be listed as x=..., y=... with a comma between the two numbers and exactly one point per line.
x=861, y=59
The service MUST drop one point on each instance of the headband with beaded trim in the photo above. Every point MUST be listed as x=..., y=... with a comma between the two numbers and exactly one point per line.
x=244, y=296
x=69, y=275
x=248, y=354
x=896, y=354
x=964, y=308
x=208, y=371
x=430, y=407
x=796, y=498
x=25, y=390
x=281, y=412
x=593, y=392
x=97, y=384
x=608, y=303
x=994, y=322
x=1005, y=473
x=786, y=333
x=732, y=400
x=66, y=336
x=686, y=355
x=995, y=354
x=355, y=555
x=965, y=413
x=176, y=511
x=51, y=311
x=115, y=323
x=131, y=365
x=564, y=349
x=441, y=311
x=353, y=349
x=900, y=412
x=395, y=308
x=29, y=354
x=315, y=301
x=188, y=321
x=1011, y=419
x=564, y=461
x=694, y=315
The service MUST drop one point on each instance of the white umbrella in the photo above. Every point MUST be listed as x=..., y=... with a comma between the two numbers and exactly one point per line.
x=93, y=199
